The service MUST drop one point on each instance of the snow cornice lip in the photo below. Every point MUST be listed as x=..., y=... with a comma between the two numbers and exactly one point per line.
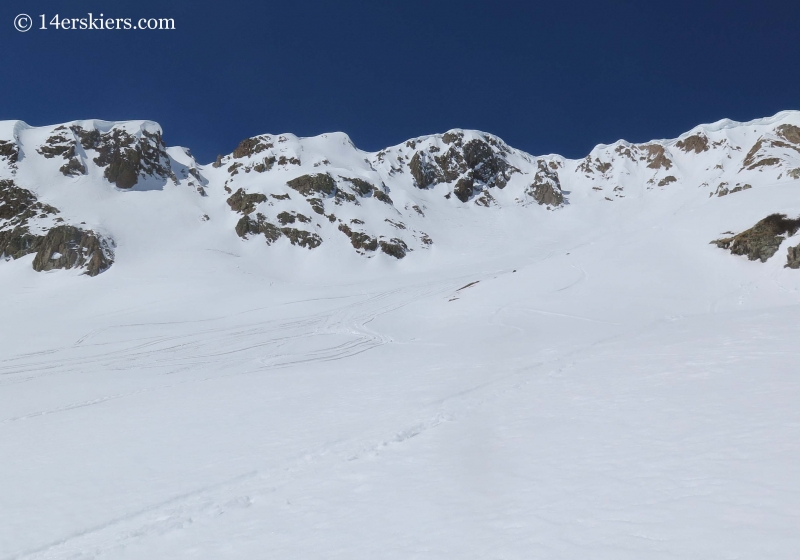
x=10, y=130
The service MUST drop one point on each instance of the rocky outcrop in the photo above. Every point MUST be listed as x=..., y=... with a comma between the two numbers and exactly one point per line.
x=17, y=208
x=286, y=218
x=317, y=205
x=73, y=168
x=487, y=163
x=62, y=144
x=9, y=151
x=359, y=240
x=57, y=246
x=615, y=164
x=770, y=151
x=245, y=203
x=247, y=226
x=67, y=246
x=546, y=187
x=383, y=196
x=656, y=156
x=362, y=187
x=763, y=240
x=723, y=190
x=424, y=171
x=464, y=189
x=252, y=146
x=59, y=145
x=696, y=143
x=793, y=258
x=301, y=237
x=17, y=242
x=472, y=164
x=18, y=205
x=485, y=199
x=394, y=247
x=314, y=185
x=261, y=226
x=260, y=154
x=591, y=165
x=365, y=189
x=319, y=186
x=789, y=132
x=127, y=157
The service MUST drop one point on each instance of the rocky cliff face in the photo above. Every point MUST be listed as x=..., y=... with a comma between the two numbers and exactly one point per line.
x=763, y=240
x=125, y=156
x=28, y=226
x=313, y=193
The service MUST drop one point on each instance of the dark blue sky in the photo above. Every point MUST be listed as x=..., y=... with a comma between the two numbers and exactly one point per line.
x=545, y=76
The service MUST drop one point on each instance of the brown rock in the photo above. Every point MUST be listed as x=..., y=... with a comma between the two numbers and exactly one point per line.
x=309, y=185
x=762, y=240
x=546, y=186
x=250, y=147
x=793, y=259
x=696, y=143
x=394, y=247
x=9, y=151
x=70, y=247
x=789, y=132
x=245, y=203
x=656, y=156
x=359, y=240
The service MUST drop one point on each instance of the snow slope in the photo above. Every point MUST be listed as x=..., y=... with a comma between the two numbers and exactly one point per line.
x=585, y=377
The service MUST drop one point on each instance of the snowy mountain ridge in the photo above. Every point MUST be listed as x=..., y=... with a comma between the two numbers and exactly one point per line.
x=66, y=189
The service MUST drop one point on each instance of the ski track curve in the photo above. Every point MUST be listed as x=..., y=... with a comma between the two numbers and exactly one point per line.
x=206, y=503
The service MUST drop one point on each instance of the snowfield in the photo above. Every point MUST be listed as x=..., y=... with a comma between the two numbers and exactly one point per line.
x=584, y=378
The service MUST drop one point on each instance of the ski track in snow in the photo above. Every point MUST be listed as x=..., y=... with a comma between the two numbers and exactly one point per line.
x=205, y=504
x=261, y=344
x=175, y=513
x=184, y=351
x=191, y=350
x=253, y=347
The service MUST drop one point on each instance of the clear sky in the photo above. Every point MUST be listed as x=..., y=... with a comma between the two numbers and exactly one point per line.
x=547, y=77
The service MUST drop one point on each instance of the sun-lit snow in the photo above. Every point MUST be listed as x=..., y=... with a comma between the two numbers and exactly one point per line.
x=587, y=380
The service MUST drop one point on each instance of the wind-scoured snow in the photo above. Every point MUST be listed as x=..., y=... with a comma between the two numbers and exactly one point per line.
x=559, y=364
